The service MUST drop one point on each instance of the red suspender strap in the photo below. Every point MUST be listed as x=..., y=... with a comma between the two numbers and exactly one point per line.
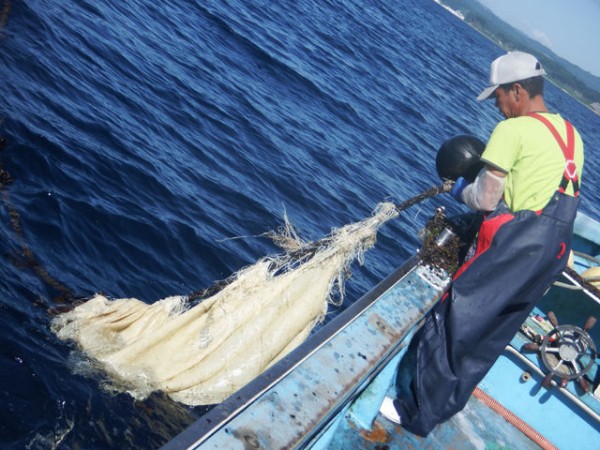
x=568, y=149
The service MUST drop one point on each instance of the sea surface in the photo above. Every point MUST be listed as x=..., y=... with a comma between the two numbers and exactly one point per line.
x=149, y=144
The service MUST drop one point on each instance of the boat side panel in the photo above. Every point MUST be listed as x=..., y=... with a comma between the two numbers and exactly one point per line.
x=586, y=235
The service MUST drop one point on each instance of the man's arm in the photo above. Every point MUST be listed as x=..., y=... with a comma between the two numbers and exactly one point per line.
x=487, y=189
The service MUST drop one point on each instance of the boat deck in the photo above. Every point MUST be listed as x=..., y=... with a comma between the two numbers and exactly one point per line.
x=476, y=427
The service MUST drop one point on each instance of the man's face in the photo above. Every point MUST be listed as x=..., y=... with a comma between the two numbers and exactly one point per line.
x=506, y=102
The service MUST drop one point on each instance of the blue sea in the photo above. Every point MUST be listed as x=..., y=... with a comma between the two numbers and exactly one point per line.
x=151, y=143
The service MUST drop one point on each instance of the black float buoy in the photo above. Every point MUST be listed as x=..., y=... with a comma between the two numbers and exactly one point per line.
x=460, y=157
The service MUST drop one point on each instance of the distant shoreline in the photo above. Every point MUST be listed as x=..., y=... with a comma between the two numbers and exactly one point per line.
x=505, y=36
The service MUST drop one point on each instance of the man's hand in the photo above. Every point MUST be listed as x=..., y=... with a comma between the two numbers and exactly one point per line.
x=459, y=186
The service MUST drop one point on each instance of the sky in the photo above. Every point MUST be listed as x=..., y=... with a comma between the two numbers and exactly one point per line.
x=570, y=28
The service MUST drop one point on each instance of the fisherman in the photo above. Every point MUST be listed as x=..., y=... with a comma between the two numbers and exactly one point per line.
x=530, y=186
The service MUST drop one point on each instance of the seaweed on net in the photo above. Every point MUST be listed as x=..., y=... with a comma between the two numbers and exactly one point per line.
x=450, y=255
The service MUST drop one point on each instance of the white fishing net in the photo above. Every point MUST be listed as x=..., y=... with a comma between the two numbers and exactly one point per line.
x=202, y=354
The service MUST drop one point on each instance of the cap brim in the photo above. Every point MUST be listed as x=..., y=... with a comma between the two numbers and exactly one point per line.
x=487, y=92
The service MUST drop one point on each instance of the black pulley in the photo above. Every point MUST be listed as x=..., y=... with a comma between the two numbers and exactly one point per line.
x=460, y=157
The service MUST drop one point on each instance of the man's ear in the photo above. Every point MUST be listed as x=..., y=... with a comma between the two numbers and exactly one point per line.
x=518, y=90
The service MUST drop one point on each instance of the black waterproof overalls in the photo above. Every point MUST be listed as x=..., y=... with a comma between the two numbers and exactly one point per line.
x=518, y=257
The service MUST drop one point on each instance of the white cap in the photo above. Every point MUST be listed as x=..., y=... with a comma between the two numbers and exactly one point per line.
x=514, y=66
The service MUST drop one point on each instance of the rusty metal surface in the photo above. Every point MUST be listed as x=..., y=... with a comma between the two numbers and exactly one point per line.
x=476, y=427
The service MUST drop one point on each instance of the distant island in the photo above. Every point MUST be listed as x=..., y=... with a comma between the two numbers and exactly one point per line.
x=580, y=84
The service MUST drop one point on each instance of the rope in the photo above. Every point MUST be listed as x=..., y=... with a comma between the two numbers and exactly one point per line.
x=447, y=186
x=585, y=282
x=586, y=256
x=571, y=287
x=309, y=249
